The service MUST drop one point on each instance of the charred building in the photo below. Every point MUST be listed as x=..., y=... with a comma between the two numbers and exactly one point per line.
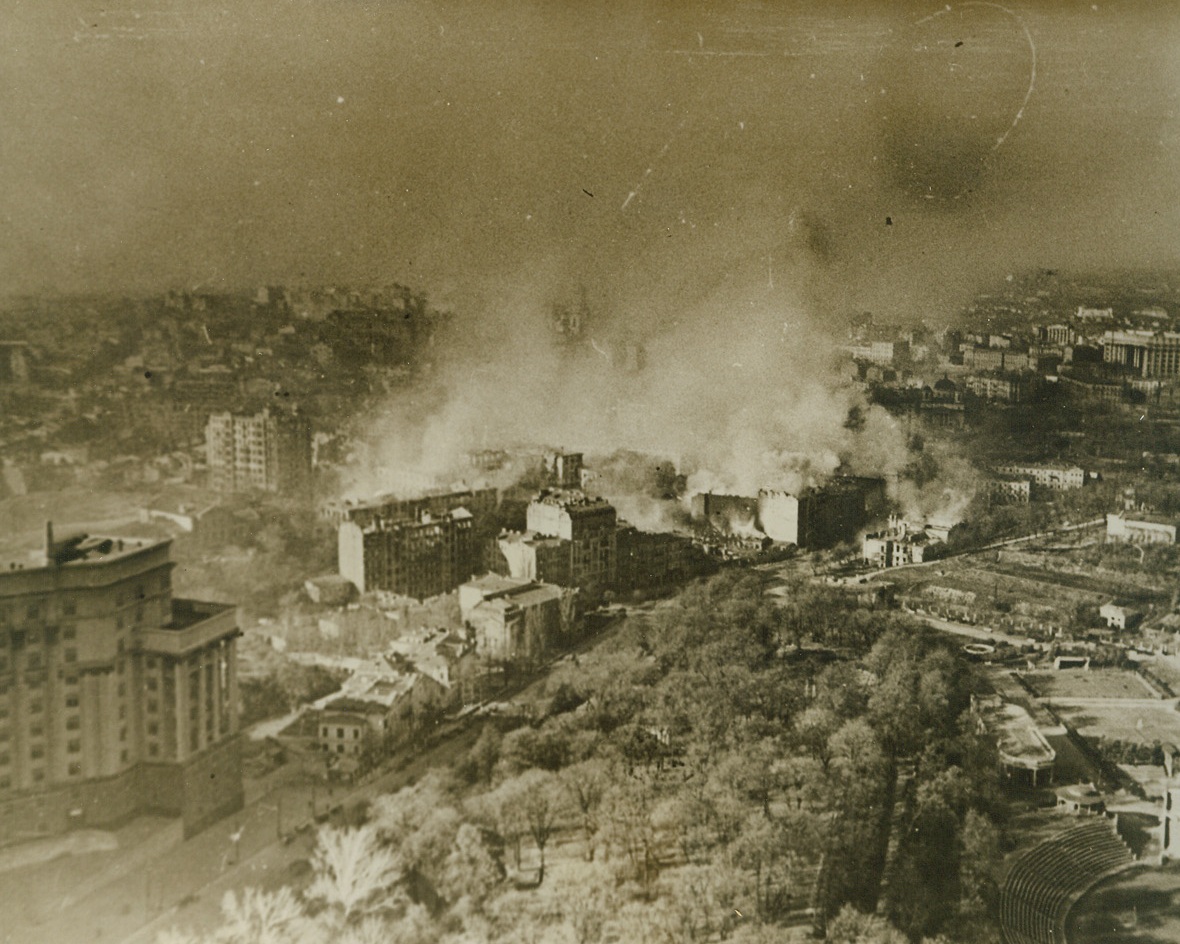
x=815, y=518
x=821, y=517
x=417, y=556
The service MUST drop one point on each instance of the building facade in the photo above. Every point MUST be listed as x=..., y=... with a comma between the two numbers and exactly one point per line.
x=268, y=451
x=587, y=524
x=514, y=620
x=115, y=698
x=650, y=559
x=1146, y=353
x=1058, y=478
x=1140, y=529
x=416, y=557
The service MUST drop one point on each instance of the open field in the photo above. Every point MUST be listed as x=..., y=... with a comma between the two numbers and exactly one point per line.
x=1139, y=906
x=1093, y=683
x=1134, y=723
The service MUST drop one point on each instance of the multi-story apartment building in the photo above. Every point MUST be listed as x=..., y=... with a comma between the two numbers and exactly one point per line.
x=648, y=559
x=268, y=451
x=588, y=524
x=823, y=516
x=115, y=697
x=1059, y=478
x=417, y=557
x=1009, y=387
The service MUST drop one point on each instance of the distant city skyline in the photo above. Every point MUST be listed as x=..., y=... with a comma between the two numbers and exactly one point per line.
x=885, y=158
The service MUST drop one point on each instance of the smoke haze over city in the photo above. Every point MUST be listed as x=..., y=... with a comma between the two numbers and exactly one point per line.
x=725, y=183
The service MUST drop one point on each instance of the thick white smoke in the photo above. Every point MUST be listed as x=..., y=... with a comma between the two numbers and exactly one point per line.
x=739, y=390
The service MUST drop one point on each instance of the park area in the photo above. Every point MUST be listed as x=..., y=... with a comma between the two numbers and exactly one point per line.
x=1089, y=683
x=1132, y=723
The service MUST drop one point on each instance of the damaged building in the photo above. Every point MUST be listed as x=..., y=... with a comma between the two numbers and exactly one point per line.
x=419, y=556
x=814, y=518
x=479, y=501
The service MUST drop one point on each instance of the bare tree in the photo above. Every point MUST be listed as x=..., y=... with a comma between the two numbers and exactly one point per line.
x=585, y=783
x=540, y=806
x=261, y=917
x=355, y=874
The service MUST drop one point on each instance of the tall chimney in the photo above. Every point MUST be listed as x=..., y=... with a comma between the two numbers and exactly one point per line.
x=49, y=558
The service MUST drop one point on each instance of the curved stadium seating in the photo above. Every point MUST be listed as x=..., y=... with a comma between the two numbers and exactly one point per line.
x=1045, y=881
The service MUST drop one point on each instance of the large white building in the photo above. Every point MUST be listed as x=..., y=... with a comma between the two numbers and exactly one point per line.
x=1140, y=529
x=1147, y=353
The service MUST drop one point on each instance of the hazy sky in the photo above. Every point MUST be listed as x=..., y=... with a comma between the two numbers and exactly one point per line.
x=655, y=152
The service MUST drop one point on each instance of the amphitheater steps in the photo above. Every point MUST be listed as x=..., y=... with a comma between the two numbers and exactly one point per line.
x=1044, y=883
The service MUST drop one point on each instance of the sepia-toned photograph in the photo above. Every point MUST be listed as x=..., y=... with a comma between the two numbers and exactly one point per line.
x=589, y=472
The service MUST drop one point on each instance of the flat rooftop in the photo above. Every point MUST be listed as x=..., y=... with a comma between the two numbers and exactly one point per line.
x=1018, y=736
x=80, y=551
x=186, y=613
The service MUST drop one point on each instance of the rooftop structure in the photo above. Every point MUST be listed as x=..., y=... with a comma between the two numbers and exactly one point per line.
x=479, y=502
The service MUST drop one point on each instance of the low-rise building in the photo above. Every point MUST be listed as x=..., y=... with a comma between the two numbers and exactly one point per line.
x=445, y=655
x=516, y=621
x=378, y=701
x=1082, y=387
x=1140, y=528
x=898, y=545
x=1118, y=615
